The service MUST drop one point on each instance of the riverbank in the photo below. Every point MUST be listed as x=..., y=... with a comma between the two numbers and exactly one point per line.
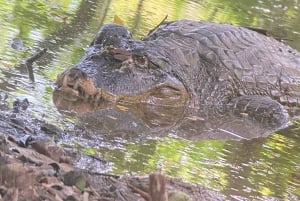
x=34, y=167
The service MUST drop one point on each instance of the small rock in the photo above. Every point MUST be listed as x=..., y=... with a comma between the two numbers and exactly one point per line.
x=17, y=44
x=20, y=105
x=51, y=129
x=75, y=178
x=24, y=140
x=17, y=122
x=56, y=167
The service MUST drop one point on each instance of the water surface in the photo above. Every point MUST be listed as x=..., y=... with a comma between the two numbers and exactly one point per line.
x=252, y=166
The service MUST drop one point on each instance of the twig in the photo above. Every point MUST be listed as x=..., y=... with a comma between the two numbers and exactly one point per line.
x=142, y=193
x=85, y=196
x=152, y=30
x=103, y=174
x=36, y=56
x=157, y=188
x=30, y=61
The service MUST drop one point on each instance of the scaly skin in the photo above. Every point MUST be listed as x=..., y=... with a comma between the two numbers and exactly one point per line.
x=218, y=62
x=196, y=64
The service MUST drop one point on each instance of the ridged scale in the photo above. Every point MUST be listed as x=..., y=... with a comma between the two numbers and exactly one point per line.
x=218, y=62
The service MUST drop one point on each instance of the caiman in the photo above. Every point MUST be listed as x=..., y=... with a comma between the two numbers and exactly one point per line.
x=187, y=63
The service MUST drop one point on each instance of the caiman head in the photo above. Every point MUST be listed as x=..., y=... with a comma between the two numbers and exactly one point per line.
x=116, y=69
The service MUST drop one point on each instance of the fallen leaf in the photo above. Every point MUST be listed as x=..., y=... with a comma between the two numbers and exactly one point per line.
x=122, y=108
x=244, y=114
x=112, y=117
x=47, y=149
x=75, y=178
x=81, y=183
x=118, y=20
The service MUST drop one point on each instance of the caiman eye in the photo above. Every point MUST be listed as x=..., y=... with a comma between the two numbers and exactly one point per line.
x=166, y=96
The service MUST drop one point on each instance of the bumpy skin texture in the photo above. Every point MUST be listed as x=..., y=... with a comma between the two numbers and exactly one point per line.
x=193, y=63
x=219, y=61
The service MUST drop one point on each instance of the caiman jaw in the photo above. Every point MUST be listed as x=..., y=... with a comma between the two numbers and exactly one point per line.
x=76, y=91
x=74, y=85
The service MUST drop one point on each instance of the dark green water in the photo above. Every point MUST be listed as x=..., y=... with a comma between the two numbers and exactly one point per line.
x=245, y=169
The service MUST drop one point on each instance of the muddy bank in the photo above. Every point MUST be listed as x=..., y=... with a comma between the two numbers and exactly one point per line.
x=34, y=167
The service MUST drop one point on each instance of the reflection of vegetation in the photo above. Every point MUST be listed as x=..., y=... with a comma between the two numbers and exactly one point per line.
x=271, y=15
x=178, y=158
x=34, y=17
x=27, y=13
x=34, y=22
x=263, y=166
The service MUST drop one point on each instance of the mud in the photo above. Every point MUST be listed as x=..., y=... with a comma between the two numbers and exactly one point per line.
x=34, y=167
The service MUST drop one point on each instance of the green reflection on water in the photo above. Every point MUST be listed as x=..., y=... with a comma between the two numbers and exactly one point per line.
x=267, y=166
x=251, y=168
x=197, y=162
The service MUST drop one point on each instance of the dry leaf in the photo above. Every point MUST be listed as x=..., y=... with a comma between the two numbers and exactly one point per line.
x=118, y=20
x=122, y=108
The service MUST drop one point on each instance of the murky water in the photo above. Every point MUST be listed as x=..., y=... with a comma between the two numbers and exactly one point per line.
x=249, y=167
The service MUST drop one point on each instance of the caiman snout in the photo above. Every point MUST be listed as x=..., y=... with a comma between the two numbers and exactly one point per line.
x=75, y=90
x=75, y=84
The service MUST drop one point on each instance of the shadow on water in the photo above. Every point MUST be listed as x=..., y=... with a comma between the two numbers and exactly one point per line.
x=232, y=154
x=227, y=152
x=142, y=121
